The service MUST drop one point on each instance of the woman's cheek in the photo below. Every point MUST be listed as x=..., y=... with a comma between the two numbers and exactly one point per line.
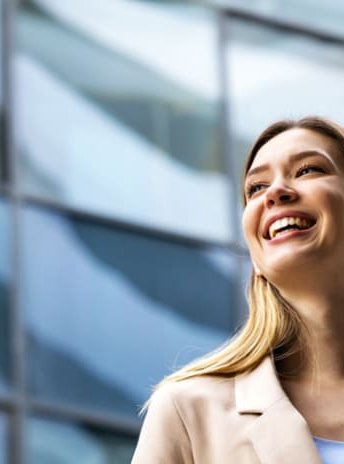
x=250, y=225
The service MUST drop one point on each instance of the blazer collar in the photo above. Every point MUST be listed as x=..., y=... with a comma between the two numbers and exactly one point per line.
x=279, y=433
x=256, y=391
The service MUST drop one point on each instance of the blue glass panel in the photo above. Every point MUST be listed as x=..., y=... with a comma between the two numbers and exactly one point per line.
x=126, y=120
x=276, y=75
x=287, y=63
x=109, y=313
x=50, y=442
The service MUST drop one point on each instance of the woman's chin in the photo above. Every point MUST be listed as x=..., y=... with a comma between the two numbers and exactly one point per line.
x=287, y=267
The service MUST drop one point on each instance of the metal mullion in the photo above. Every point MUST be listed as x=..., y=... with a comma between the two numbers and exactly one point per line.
x=5, y=190
x=16, y=426
x=114, y=422
x=3, y=120
x=291, y=27
x=226, y=122
x=8, y=401
x=264, y=19
x=228, y=153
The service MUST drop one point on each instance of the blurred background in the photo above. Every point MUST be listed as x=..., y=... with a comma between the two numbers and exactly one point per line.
x=124, y=127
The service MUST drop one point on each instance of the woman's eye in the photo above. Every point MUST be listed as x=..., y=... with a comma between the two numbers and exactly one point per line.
x=308, y=169
x=254, y=188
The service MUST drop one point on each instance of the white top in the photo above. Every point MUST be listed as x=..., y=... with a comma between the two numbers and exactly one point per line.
x=331, y=451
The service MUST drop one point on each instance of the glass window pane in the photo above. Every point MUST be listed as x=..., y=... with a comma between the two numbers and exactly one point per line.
x=274, y=75
x=323, y=15
x=5, y=283
x=50, y=442
x=126, y=120
x=109, y=313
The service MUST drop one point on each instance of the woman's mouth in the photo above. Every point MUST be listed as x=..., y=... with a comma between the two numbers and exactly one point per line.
x=280, y=226
x=286, y=224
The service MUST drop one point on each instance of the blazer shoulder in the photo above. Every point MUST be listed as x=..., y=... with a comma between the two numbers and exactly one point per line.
x=178, y=414
x=187, y=394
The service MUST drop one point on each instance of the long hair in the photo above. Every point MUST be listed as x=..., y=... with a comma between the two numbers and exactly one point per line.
x=273, y=326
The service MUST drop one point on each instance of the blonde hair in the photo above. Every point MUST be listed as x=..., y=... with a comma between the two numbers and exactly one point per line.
x=272, y=326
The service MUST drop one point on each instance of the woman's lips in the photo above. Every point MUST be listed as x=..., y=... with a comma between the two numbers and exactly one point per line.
x=289, y=234
x=280, y=221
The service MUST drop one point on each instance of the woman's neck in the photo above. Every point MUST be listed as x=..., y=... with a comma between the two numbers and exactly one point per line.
x=323, y=356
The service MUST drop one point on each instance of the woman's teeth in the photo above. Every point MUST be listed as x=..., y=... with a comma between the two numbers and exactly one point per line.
x=280, y=225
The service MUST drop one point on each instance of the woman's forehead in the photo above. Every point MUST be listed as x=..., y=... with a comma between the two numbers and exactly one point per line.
x=294, y=141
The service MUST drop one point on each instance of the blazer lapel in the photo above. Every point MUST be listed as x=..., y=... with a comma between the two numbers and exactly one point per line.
x=279, y=433
x=281, y=436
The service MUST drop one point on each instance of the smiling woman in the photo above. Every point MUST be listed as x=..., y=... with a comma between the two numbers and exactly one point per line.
x=274, y=393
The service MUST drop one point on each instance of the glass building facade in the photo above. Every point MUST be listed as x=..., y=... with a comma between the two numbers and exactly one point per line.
x=124, y=126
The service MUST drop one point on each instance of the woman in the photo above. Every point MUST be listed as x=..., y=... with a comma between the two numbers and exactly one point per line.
x=275, y=393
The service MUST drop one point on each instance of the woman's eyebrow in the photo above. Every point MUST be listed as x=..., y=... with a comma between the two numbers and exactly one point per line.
x=295, y=157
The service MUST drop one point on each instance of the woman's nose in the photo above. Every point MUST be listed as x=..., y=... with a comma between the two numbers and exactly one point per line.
x=279, y=194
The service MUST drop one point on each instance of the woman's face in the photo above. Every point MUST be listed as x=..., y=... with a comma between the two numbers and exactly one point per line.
x=294, y=217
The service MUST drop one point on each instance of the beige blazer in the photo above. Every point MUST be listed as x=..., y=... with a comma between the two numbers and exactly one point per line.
x=216, y=420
